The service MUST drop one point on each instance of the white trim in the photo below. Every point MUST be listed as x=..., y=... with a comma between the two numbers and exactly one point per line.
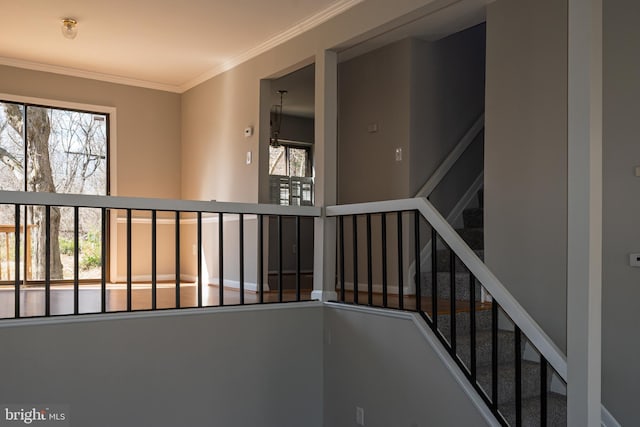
x=435, y=345
x=452, y=158
x=508, y=303
x=608, y=419
x=335, y=9
x=139, y=203
x=322, y=295
x=307, y=24
x=132, y=315
x=93, y=75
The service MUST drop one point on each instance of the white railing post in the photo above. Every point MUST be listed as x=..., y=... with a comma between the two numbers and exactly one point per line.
x=325, y=172
x=584, y=222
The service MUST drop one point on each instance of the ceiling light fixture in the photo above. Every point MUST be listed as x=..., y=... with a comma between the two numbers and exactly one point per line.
x=69, y=28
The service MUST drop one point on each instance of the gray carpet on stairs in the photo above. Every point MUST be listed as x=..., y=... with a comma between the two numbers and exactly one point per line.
x=473, y=234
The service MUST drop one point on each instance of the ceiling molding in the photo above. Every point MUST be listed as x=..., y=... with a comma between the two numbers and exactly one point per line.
x=313, y=21
x=67, y=71
x=307, y=24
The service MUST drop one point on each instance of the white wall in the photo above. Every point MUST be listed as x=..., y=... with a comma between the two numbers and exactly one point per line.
x=526, y=156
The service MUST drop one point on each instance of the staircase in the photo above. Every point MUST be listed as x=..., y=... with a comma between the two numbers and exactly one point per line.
x=473, y=234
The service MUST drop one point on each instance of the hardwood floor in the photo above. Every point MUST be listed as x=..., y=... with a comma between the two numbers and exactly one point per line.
x=32, y=298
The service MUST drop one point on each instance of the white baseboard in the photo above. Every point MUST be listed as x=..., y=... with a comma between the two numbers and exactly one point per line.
x=322, y=295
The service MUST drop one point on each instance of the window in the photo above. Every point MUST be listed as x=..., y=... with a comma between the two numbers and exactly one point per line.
x=290, y=174
x=51, y=149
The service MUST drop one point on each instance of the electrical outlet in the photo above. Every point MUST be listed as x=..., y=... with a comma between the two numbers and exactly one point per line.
x=398, y=154
x=359, y=416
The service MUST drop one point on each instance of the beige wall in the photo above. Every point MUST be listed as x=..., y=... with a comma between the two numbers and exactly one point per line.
x=526, y=156
x=148, y=126
x=215, y=112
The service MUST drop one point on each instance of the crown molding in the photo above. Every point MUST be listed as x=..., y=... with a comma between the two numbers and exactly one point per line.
x=303, y=26
x=68, y=71
x=324, y=15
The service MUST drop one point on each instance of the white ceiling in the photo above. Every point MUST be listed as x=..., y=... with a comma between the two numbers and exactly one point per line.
x=165, y=44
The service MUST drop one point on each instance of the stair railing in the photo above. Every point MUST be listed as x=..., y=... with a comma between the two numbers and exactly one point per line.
x=440, y=311
x=188, y=224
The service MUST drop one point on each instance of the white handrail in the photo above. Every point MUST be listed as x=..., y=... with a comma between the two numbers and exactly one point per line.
x=509, y=304
x=139, y=203
x=446, y=165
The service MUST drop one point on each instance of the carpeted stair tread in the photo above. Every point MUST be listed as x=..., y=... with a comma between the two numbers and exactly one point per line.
x=474, y=237
x=463, y=291
x=556, y=411
x=507, y=383
x=473, y=218
x=463, y=323
x=506, y=350
x=443, y=257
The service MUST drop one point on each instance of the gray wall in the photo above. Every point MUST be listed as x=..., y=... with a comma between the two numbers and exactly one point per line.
x=620, y=315
x=374, y=89
x=384, y=366
x=447, y=97
x=299, y=129
x=226, y=368
x=526, y=156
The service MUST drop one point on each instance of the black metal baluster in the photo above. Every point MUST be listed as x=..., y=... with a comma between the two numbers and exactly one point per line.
x=472, y=326
x=369, y=263
x=452, y=301
x=400, y=265
x=543, y=391
x=129, y=263
x=383, y=227
x=47, y=260
x=221, y=258
x=199, y=255
x=76, y=259
x=280, y=275
x=241, y=255
x=494, y=356
x=260, y=259
x=16, y=242
x=177, y=253
x=417, y=261
x=103, y=250
x=298, y=284
x=518, y=375
x=434, y=279
x=341, y=237
x=354, y=221
x=154, y=260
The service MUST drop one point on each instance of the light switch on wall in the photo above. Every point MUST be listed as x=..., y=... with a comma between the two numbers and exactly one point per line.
x=249, y=157
x=398, y=154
